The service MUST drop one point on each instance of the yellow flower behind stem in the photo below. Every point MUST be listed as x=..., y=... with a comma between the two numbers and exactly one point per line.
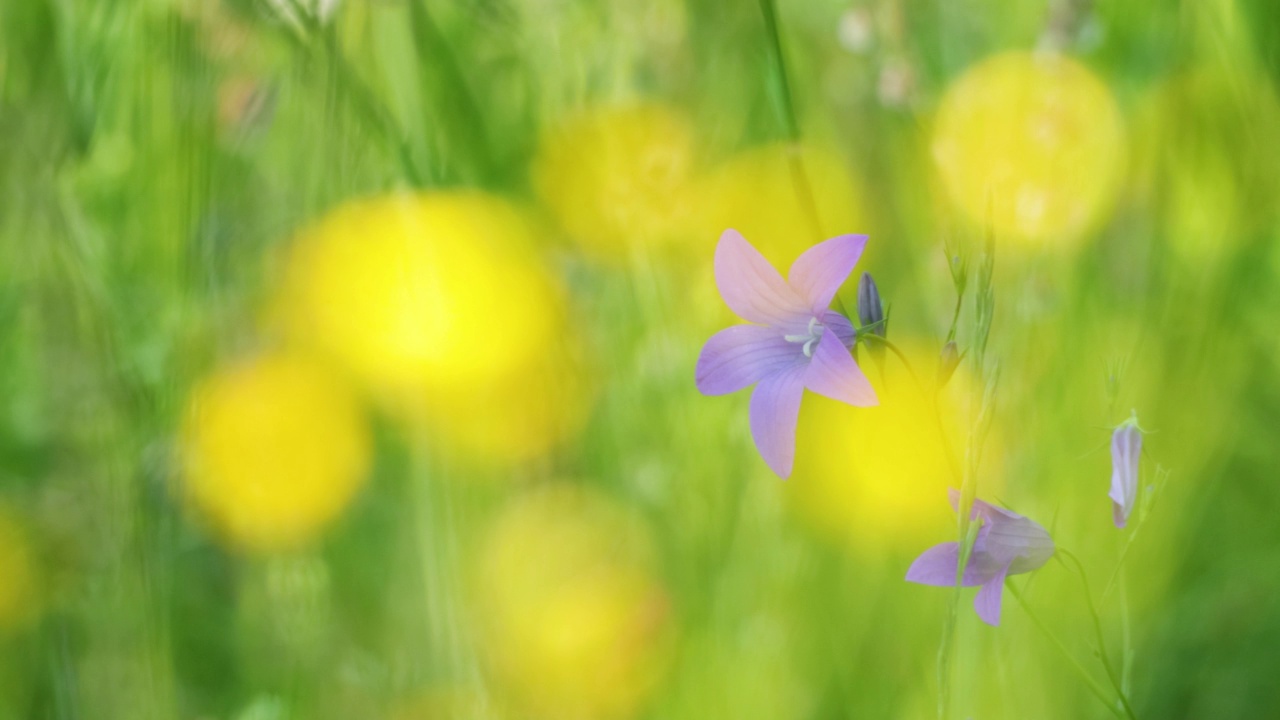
x=436, y=303
x=422, y=292
x=274, y=450
x=618, y=178
x=876, y=478
x=573, y=621
x=1032, y=143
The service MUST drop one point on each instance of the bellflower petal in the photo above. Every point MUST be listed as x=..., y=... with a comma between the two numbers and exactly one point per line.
x=937, y=566
x=820, y=271
x=1126, y=452
x=775, y=409
x=839, y=325
x=1007, y=544
x=833, y=373
x=752, y=288
x=1022, y=543
x=798, y=341
x=987, y=602
x=743, y=355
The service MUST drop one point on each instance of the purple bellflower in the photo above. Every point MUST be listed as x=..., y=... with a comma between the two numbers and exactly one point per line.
x=797, y=342
x=1126, y=450
x=1007, y=544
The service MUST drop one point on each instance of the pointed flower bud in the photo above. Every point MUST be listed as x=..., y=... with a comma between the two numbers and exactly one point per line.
x=1126, y=450
x=870, y=309
x=948, y=361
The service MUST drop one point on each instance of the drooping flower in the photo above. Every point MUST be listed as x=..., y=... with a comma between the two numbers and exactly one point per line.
x=797, y=343
x=1007, y=544
x=1126, y=450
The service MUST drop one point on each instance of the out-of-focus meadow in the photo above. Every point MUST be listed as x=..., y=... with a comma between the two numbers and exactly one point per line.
x=347, y=353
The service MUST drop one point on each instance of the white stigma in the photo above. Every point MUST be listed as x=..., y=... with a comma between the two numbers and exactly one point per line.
x=809, y=338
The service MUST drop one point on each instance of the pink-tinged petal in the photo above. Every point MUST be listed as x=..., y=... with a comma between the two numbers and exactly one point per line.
x=987, y=601
x=832, y=372
x=752, y=288
x=775, y=408
x=820, y=271
x=1126, y=452
x=741, y=356
x=937, y=566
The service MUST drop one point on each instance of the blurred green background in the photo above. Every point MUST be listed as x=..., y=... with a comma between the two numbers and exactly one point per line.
x=347, y=355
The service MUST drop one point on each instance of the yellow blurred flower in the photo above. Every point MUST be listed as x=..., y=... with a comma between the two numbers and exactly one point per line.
x=572, y=618
x=423, y=292
x=1208, y=160
x=20, y=586
x=436, y=302
x=755, y=193
x=1034, y=141
x=618, y=179
x=274, y=450
x=876, y=478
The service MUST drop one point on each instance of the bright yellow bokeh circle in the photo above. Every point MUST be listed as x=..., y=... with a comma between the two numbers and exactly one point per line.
x=423, y=292
x=1032, y=143
x=572, y=618
x=439, y=305
x=274, y=450
x=876, y=478
x=618, y=178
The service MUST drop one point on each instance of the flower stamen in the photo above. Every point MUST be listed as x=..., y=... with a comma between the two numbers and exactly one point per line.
x=809, y=338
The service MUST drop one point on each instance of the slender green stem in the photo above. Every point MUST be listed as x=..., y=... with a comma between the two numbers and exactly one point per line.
x=805, y=194
x=955, y=317
x=967, y=531
x=790, y=121
x=953, y=463
x=1126, y=655
x=1162, y=477
x=1103, y=655
x=901, y=356
x=434, y=53
x=365, y=102
x=770, y=14
x=1115, y=572
x=1089, y=680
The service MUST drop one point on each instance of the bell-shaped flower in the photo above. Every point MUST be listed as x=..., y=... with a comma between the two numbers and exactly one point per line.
x=1007, y=544
x=797, y=342
x=1126, y=450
